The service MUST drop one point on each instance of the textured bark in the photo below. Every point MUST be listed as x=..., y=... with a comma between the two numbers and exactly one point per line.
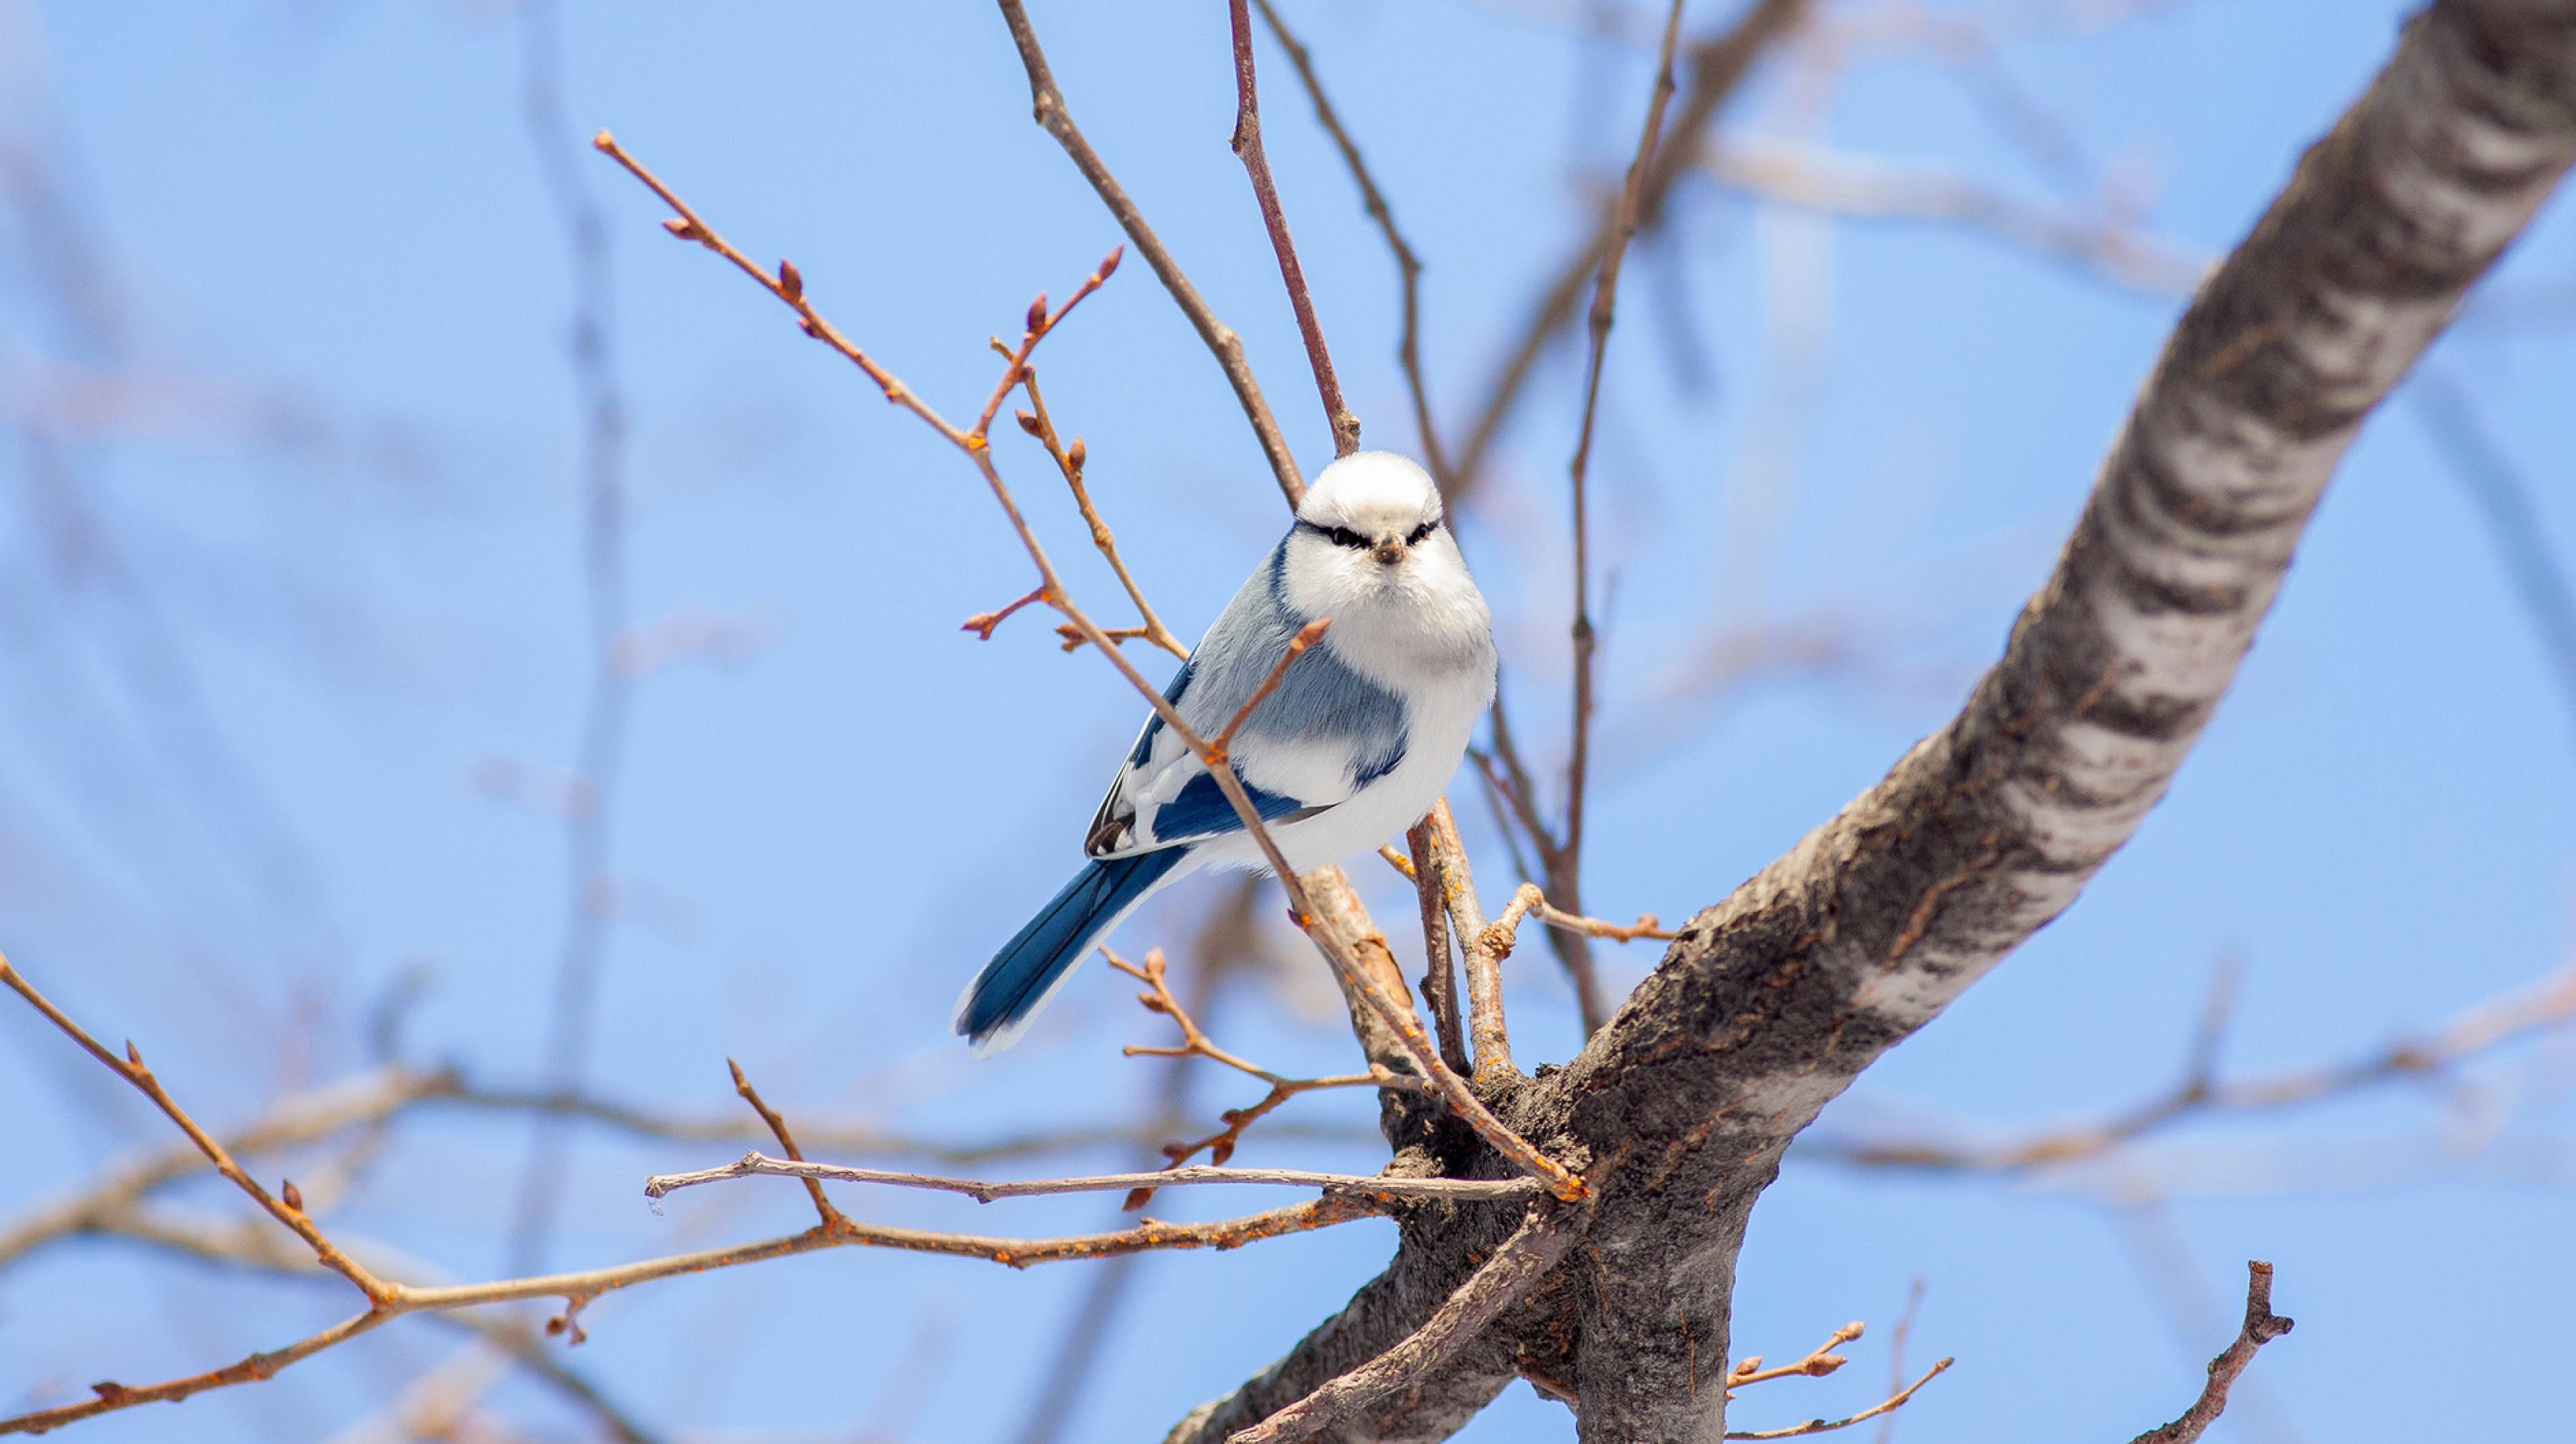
x=1771, y=1002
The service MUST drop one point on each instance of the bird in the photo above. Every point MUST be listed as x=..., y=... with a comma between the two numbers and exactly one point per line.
x=1357, y=742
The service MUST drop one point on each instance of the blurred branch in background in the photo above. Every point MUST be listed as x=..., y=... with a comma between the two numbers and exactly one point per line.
x=607, y=709
x=387, y=1299
x=2201, y=1094
x=2503, y=497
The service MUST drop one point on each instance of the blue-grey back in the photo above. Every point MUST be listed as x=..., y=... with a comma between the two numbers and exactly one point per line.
x=1322, y=697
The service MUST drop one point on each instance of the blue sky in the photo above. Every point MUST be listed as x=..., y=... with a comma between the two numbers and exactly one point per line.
x=327, y=588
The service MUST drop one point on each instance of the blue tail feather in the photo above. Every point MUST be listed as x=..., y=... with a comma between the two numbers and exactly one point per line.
x=1017, y=981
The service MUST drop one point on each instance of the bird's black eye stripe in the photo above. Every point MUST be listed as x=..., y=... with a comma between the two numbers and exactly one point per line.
x=1340, y=536
x=1422, y=531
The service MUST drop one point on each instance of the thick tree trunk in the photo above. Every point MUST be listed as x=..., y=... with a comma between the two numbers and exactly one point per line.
x=1771, y=1002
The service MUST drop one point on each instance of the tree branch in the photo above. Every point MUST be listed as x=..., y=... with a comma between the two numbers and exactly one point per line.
x=1047, y=104
x=1265, y=190
x=1502, y=1281
x=2261, y=1327
x=1379, y=1189
x=1769, y=1003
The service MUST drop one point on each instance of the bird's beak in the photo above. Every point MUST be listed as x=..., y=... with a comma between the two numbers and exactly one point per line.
x=1389, y=550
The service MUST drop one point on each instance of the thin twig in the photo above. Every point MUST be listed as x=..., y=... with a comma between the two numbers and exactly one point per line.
x=1195, y=1043
x=1070, y=460
x=1047, y=104
x=1528, y=901
x=1307, y=636
x=1827, y=1426
x=983, y=624
x=1375, y=1190
x=824, y=1210
x=387, y=1300
x=286, y=1205
x=1514, y=1269
x=1265, y=190
x=1568, y=882
x=1408, y=347
x=1820, y=1361
x=2261, y=1327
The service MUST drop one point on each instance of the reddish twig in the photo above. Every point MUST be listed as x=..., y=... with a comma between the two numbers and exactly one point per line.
x=1265, y=190
x=1039, y=322
x=1195, y=1043
x=286, y=1205
x=2261, y=1327
x=1827, y=1426
x=1820, y=1361
x=824, y=1210
x=1307, y=636
x=983, y=623
x=1408, y=346
x=1070, y=460
x=1047, y=105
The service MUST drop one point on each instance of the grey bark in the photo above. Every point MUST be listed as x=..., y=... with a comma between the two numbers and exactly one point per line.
x=1772, y=1001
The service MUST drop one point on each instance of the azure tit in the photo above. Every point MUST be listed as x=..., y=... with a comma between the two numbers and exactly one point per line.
x=1355, y=745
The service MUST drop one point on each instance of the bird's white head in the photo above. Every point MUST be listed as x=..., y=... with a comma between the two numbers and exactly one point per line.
x=1371, y=538
x=1376, y=505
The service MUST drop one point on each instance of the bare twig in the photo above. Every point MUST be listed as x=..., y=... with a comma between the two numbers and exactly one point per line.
x=1307, y=636
x=1568, y=881
x=1070, y=460
x=286, y=1205
x=1195, y=1043
x=1515, y=1268
x=1265, y=190
x=1820, y=1361
x=1376, y=1190
x=387, y=1300
x=1827, y=1426
x=1047, y=103
x=1408, y=347
x=983, y=624
x=1528, y=901
x=2261, y=1327
x=825, y=1213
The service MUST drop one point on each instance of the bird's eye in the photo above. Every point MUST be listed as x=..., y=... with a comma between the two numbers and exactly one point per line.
x=1422, y=531
x=1342, y=536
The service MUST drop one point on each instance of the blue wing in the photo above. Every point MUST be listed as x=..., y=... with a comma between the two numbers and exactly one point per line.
x=1324, y=734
